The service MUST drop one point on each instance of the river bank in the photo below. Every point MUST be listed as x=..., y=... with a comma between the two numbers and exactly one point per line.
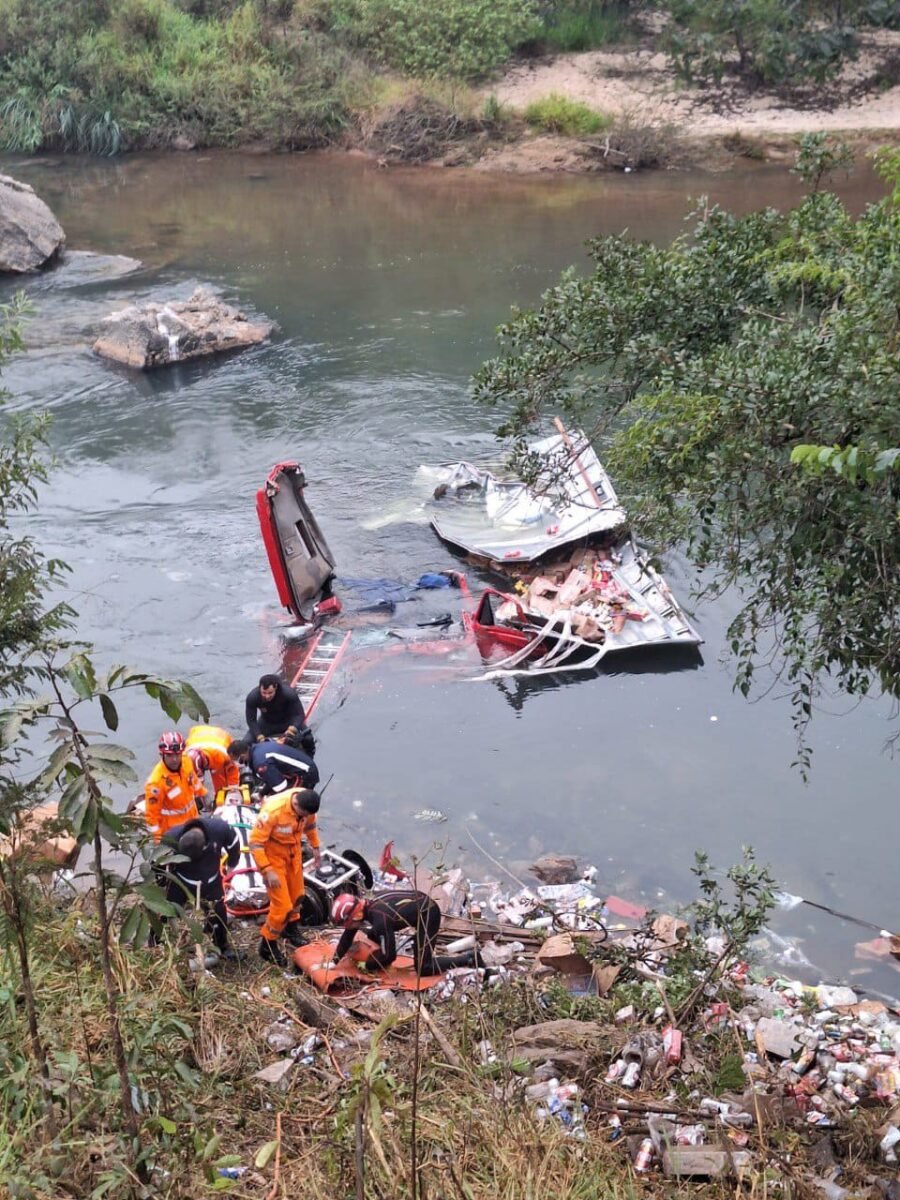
x=633, y=1048
x=407, y=85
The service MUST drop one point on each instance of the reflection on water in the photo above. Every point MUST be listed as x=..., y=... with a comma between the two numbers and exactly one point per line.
x=387, y=287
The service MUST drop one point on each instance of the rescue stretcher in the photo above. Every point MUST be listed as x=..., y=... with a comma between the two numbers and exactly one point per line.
x=245, y=889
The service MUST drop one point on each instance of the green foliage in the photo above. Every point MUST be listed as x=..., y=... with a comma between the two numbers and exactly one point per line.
x=765, y=42
x=103, y=78
x=699, y=368
x=459, y=39
x=556, y=114
x=820, y=156
x=584, y=24
x=80, y=767
x=27, y=623
x=851, y=462
x=737, y=909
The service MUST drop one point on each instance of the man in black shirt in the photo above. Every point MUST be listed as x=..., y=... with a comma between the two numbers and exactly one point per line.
x=274, y=710
x=198, y=881
x=381, y=919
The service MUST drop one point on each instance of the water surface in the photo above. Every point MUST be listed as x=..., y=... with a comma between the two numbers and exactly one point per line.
x=387, y=287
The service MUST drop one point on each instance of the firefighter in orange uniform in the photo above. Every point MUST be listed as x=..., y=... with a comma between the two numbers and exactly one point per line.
x=173, y=789
x=276, y=845
x=207, y=748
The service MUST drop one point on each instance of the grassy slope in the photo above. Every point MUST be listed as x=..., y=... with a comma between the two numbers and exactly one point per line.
x=107, y=75
x=194, y=1042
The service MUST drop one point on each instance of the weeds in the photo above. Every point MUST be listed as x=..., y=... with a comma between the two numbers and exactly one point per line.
x=155, y=72
x=462, y=39
x=557, y=114
x=584, y=25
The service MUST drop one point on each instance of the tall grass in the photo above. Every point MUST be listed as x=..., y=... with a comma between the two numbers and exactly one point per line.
x=584, y=25
x=144, y=72
x=556, y=114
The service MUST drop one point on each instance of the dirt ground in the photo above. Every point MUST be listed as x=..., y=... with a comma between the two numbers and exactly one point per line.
x=638, y=85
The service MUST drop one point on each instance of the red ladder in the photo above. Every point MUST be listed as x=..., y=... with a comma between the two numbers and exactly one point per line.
x=323, y=652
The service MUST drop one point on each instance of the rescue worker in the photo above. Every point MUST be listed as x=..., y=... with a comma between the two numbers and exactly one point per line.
x=276, y=845
x=173, y=791
x=199, y=880
x=381, y=920
x=277, y=766
x=274, y=710
x=207, y=748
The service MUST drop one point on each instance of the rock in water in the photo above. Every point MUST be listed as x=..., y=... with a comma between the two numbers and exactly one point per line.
x=30, y=235
x=154, y=335
x=555, y=868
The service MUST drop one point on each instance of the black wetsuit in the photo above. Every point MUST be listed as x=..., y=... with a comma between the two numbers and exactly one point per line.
x=383, y=920
x=273, y=718
x=202, y=877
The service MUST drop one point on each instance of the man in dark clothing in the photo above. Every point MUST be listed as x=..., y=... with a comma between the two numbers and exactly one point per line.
x=383, y=918
x=198, y=880
x=277, y=766
x=274, y=710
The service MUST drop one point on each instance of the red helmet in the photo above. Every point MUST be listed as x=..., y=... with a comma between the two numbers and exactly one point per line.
x=343, y=908
x=171, y=743
x=199, y=758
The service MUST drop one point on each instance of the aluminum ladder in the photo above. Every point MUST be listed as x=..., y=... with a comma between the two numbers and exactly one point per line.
x=323, y=653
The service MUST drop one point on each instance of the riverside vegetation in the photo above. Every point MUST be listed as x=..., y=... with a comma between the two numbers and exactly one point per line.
x=108, y=75
x=125, y=1075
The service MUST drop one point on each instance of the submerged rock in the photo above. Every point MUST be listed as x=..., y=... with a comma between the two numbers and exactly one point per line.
x=154, y=334
x=30, y=235
x=555, y=868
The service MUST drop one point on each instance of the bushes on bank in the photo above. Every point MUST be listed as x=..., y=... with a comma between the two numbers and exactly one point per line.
x=104, y=74
x=462, y=39
x=767, y=43
x=556, y=114
x=584, y=24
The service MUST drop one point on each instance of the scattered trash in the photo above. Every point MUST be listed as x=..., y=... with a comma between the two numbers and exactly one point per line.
x=281, y=1036
x=433, y=815
x=275, y=1072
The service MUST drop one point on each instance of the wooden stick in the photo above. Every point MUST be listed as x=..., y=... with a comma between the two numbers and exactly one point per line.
x=449, y=1053
x=665, y=1000
x=494, y=860
x=274, y=1188
x=567, y=442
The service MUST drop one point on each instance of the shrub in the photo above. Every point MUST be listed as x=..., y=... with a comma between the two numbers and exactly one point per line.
x=584, y=24
x=151, y=71
x=556, y=114
x=763, y=41
x=461, y=39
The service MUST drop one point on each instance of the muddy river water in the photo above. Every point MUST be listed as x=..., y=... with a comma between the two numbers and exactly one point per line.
x=387, y=287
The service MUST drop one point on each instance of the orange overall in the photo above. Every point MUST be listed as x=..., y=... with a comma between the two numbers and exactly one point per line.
x=276, y=845
x=171, y=797
x=214, y=742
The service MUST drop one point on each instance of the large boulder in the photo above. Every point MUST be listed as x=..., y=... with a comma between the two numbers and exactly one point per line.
x=154, y=335
x=30, y=235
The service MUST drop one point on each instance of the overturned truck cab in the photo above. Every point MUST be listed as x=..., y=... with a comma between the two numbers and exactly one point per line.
x=301, y=561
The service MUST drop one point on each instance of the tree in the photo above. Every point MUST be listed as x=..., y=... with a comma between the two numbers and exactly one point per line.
x=700, y=369
x=28, y=625
x=762, y=42
x=35, y=653
x=79, y=769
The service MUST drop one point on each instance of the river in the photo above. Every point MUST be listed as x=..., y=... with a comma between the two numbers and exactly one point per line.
x=387, y=286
